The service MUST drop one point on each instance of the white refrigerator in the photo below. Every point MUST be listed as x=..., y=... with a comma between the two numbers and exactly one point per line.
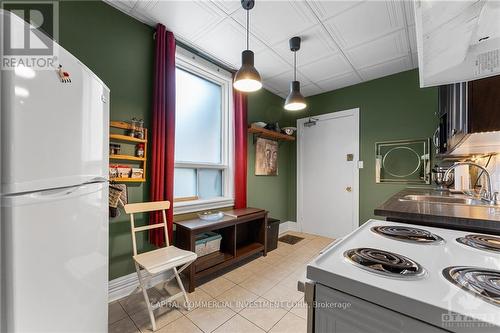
x=54, y=199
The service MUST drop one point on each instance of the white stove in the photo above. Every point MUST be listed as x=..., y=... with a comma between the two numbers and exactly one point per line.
x=408, y=278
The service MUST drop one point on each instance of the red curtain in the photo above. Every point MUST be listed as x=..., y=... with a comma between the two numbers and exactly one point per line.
x=163, y=136
x=240, y=149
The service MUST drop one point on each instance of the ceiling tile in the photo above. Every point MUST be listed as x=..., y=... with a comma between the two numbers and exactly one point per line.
x=185, y=18
x=123, y=4
x=282, y=81
x=226, y=41
x=365, y=22
x=327, y=9
x=228, y=6
x=269, y=64
x=414, y=57
x=274, y=21
x=387, y=68
x=410, y=11
x=310, y=89
x=338, y=82
x=332, y=65
x=412, y=35
x=380, y=50
x=316, y=42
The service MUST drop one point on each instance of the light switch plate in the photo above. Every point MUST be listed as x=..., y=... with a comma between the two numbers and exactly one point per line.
x=360, y=164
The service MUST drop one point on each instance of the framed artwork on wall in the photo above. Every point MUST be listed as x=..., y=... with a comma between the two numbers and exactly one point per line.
x=266, y=157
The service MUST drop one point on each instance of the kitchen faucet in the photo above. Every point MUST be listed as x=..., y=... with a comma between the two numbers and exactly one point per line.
x=489, y=196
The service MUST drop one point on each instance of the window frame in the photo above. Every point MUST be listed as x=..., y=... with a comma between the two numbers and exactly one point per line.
x=195, y=65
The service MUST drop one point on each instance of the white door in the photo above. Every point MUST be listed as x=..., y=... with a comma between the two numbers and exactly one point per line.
x=327, y=167
x=56, y=266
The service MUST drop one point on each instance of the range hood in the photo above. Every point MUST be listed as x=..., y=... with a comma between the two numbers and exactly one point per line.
x=457, y=41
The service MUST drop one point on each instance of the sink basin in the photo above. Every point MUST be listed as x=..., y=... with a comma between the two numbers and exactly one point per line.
x=451, y=200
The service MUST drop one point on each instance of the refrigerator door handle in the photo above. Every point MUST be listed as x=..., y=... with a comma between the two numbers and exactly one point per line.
x=52, y=194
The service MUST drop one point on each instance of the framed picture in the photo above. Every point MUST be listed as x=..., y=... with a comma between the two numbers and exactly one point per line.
x=266, y=157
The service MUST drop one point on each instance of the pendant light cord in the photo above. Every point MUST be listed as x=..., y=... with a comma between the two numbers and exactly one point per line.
x=248, y=24
x=295, y=65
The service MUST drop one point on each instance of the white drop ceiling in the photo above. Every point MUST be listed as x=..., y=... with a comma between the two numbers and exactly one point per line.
x=343, y=42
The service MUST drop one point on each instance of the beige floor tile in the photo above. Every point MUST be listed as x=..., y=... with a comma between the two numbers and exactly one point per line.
x=275, y=274
x=181, y=325
x=126, y=325
x=257, y=266
x=163, y=316
x=290, y=323
x=286, y=297
x=272, y=258
x=263, y=314
x=238, y=324
x=238, y=275
x=289, y=282
x=115, y=312
x=300, y=309
x=197, y=298
x=208, y=319
x=284, y=250
x=135, y=303
x=217, y=286
x=258, y=285
x=237, y=298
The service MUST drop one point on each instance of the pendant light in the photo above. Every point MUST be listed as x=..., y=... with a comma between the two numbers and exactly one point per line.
x=295, y=101
x=247, y=79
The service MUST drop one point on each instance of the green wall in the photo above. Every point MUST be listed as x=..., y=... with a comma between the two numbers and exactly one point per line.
x=268, y=192
x=118, y=49
x=391, y=108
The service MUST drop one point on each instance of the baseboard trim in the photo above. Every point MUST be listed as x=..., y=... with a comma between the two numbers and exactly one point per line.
x=288, y=226
x=125, y=285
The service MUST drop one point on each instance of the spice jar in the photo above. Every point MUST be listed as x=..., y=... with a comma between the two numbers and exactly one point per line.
x=139, y=150
x=133, y=127
x=139, y=130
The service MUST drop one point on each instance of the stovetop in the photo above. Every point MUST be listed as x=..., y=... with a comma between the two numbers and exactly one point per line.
x=422, y=271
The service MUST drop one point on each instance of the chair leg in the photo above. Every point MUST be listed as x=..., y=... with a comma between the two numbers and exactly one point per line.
x=146, y=297
x=179, y=281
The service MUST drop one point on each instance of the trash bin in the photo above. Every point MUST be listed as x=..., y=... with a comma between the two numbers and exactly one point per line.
x=273, y=226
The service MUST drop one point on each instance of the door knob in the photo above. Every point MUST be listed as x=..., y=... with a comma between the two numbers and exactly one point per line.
x=348, y=189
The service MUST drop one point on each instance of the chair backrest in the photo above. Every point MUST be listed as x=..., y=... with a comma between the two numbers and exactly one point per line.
x=146, y=207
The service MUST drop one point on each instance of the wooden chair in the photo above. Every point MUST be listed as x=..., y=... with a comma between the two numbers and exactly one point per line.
x=159, y=260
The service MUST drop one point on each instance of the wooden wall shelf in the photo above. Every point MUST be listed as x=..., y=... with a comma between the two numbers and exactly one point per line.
x=126, y=157
x=121, y=137
x=128, y=180
x=268, y=134
x=142, y=161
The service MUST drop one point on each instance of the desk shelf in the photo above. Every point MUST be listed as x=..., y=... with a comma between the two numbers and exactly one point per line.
x=243, y=231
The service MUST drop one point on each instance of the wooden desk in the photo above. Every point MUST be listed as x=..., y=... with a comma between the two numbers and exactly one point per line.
x=243, y=231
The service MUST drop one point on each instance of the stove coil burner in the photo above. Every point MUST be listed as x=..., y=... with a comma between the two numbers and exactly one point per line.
x=481, y=242
x=483, y=283
x=384, y=263
x=407, y=234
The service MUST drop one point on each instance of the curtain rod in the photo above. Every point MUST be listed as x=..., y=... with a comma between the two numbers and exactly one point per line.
x=204, y=56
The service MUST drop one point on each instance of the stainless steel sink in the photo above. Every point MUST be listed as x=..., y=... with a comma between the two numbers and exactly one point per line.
x=450, y=200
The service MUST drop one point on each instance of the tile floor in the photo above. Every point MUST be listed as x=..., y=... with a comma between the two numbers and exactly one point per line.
x=257, y=296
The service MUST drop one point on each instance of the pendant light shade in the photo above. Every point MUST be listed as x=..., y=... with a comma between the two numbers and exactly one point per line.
x=247, y=79
x=295, y=101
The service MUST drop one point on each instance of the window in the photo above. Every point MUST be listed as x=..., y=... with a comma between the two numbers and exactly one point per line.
x=203, y=137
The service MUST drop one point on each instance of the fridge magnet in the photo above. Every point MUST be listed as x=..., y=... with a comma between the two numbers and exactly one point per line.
x=63, y=76
x=266, y=157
